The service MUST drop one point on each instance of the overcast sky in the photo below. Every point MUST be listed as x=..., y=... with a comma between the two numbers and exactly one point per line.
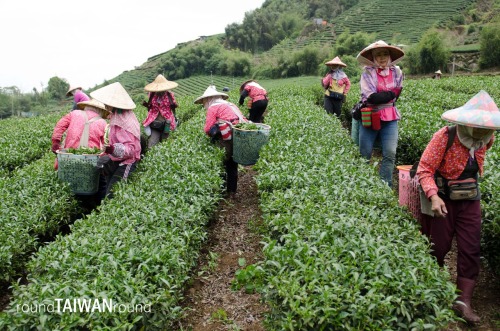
x=88, y=41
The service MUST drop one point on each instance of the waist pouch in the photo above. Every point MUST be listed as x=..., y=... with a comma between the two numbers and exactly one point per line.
x=370, y=118
x=157, y=125
x=335, y=95
x=463, y=189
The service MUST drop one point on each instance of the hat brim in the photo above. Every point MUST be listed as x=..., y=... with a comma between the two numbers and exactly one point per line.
x=160, y=87
x=72, y=88
x=478, y=118
x=199, y=100
x=91, y=103
x=114, y=95
x=395, y=53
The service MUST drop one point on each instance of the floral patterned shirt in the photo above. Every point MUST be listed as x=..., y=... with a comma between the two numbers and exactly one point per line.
x=161, y=105
x=450, y=165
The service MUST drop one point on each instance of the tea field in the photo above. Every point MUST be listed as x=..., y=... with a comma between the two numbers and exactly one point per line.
x=339, y=252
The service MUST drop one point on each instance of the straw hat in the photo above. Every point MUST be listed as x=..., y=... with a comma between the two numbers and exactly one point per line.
x=160, y=84
x=72, y=88
x=479, y=112
x=438, y=72
x=114, y=95
x=365, y=57
x=211, y=91
x=336, y=61
x=92, y=103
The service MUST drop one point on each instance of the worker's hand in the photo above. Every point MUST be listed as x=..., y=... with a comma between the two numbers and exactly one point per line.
x=55, y=146
x=438, y=206
x=145, y=104
x=109, y=149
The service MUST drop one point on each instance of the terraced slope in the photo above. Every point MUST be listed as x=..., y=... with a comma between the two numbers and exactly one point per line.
x=403, y=20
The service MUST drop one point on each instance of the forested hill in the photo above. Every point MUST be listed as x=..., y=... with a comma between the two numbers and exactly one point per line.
x=268, y=41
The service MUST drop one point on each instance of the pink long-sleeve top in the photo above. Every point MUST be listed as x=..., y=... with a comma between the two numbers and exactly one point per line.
x=328, y=80
x=161, y=105
x=80, y=96
x=127, y=146
x=74, y=123
x=450, y=165
x=221, y=111
x=373, y=82
x=255, y=91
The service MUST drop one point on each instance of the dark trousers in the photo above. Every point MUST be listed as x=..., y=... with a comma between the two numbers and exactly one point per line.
x=231, y=167
x=464, y=221
x=231, y=175
x=333, y=106
x=122, y=172
x=257, y=110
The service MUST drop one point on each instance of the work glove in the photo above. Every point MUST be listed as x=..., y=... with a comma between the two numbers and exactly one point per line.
x=381, y=97
x=55, y=146
x=109, y=149
x=145, y=104
x=147, y=130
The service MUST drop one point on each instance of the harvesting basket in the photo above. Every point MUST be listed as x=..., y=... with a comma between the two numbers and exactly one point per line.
x=79, y=171
x=409, y=194
x=247, y=143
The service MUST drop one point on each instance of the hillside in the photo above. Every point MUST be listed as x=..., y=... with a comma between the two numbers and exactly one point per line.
x=403, y=21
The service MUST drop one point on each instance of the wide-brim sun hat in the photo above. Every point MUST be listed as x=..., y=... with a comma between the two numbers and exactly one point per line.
x=365, y=57
x=479, y=112
x=211, y=91
x=114, y=95
x=160, y=84
x=72, y=88
x=92, y=103
x=336, y=61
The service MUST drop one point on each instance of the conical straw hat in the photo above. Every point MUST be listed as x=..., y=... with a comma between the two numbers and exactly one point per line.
x=114, y=95
x=438, y=72
x=160, y=84
x=71, y=88
x=479, y=112
x=211, y=91
x=92, y=103
x=365, y=57
x=336, y=61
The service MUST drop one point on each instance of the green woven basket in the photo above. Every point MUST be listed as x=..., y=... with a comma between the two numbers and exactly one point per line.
x=79, y=171
x=247, y=143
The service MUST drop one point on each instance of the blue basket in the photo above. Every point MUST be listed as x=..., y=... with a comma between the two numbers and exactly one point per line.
x=79, y=171
x=247, y=143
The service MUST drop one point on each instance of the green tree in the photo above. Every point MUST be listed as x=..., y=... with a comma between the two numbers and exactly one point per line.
x=351, y=44
x=57, y=88
x=490, y=46
x=433, y=54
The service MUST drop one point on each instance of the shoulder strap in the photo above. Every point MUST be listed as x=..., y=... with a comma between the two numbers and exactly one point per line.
x=452, y=132
x=171, y=101
x=84, y=139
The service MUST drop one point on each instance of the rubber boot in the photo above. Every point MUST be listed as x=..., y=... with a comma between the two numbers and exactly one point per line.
x=464, y=308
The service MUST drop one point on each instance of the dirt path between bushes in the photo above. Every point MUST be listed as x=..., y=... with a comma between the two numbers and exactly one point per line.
x=233, y=236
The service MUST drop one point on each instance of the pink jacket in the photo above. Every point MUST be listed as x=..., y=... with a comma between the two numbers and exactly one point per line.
x=221, y=111
x=74, y=123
